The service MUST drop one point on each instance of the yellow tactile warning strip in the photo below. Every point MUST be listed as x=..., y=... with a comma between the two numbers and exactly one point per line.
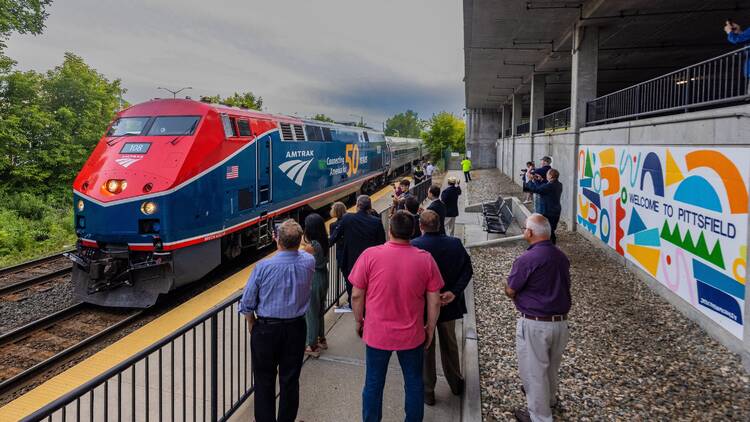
x=129, y=345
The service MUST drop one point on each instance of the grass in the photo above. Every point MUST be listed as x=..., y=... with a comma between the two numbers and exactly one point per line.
x=32, y=226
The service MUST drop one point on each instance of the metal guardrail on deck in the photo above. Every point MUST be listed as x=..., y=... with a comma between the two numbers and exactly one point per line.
x=523, y=128
x=715, y=81
x=559, y=120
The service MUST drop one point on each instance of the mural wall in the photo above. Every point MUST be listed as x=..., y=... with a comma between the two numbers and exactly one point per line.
x=678, y=213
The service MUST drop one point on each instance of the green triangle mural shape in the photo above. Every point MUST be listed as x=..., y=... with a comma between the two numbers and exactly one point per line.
x=588, y=171
x=717, y=257
x=699, y=249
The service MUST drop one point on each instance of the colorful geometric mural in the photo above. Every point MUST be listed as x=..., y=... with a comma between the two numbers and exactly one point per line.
x=678, y=213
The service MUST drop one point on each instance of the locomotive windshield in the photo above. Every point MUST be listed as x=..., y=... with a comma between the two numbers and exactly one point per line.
x=173, y=125
x=128, y=126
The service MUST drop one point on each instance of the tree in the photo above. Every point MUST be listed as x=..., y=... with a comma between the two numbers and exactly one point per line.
x=444, y=131
x=22, y=16
x=50, y=122
x=406, y=125
x=322, y=118
x=244, y=100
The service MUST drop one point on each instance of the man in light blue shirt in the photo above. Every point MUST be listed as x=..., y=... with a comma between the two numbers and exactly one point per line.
x=274, y=303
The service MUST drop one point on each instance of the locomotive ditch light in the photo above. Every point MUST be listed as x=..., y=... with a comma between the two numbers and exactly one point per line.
x=80, y=205
x=115, y=186
x=148, y=208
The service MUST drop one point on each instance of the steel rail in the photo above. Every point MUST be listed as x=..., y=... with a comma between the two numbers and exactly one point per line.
x=42, y=323
x=34, y=262
x=29, y=282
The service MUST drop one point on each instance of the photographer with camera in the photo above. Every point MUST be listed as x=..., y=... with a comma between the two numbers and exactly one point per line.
x=549, y=192
x=736, y=35
x=526, y=175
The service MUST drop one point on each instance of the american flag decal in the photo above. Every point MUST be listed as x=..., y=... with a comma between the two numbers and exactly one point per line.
x=233, y=172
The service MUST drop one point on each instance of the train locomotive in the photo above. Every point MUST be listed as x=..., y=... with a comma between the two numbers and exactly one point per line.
x=176, y=187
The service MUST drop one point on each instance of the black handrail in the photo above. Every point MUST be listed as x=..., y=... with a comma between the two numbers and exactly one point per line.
x=712, y=82
x=215, y=330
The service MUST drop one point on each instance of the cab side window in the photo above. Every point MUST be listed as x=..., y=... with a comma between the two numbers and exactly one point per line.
x=230, y=126
x=244, y=127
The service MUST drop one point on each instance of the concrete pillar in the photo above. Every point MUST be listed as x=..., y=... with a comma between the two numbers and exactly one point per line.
x=481, y=135
x=584, y=67
x=506, y=117
x=517, y=113
x=585, y=63
x=538, y=82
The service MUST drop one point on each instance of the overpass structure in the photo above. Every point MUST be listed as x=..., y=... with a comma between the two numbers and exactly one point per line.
x=644, y=108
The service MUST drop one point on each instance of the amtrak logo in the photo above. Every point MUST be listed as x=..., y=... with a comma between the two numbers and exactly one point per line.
x=126, y=162
x=295, y=169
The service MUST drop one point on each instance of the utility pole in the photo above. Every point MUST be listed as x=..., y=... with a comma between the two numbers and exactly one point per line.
x=174, y=93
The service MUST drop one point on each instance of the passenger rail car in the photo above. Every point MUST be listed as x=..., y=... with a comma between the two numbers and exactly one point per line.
x=177, y=186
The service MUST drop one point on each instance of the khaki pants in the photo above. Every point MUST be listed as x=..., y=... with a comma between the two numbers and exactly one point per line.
x=449, y=356
x=540, y=345
x=450, y=225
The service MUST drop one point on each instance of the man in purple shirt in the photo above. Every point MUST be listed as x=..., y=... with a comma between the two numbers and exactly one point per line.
x=539, y=284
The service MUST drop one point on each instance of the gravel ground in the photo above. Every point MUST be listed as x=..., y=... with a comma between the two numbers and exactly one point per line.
x=15, y=314
x=631, y=356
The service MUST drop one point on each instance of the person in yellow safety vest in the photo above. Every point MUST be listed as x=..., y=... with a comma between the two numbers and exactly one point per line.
x=466, y=167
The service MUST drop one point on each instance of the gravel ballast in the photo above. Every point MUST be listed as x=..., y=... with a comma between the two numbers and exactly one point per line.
x=631, y=355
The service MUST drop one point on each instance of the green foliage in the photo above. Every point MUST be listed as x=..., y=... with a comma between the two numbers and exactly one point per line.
x=50, y=122
x=244, y=100
x=322, y=118
x=22, y=16
x=33, y=225
x=405, y=125
x=444, y=131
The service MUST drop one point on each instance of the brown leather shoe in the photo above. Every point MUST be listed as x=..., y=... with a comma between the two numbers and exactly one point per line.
x=429, y=399
x=522, y=415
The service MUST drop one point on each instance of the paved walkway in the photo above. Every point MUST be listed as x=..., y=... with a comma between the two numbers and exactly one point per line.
x=331, y=386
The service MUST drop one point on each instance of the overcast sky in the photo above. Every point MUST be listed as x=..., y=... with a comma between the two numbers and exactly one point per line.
x=338, y=57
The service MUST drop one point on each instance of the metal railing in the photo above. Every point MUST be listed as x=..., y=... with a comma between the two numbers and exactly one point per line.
x=715, y=81
x=202, y=371
x=559, y=120
x=523, y=128
x=507, y=132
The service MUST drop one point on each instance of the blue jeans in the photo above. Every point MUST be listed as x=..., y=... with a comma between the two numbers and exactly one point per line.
x=376, y=368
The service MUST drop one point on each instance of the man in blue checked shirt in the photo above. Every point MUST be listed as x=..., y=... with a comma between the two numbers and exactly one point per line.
x=736, y=35
x=274, y=303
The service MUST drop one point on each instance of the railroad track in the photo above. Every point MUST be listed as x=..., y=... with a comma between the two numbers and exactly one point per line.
x=35, y=347
x=32, y=273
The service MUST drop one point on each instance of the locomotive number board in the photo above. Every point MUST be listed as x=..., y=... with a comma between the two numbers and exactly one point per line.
x=135, y=148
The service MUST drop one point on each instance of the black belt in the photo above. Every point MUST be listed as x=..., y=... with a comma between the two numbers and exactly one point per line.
x=546, y=318
x=272, y=321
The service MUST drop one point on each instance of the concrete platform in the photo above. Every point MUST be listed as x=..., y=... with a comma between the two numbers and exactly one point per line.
x=331, y=386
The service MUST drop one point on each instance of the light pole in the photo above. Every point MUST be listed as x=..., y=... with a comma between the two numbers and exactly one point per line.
x=361, y=119
x=174, y=93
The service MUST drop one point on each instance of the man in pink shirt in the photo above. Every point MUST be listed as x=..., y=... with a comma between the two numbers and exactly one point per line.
x=392, y=282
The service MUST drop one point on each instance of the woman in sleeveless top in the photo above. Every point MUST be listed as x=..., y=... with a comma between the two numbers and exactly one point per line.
x=315, y=242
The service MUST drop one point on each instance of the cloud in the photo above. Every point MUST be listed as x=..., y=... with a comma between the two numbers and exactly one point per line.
x=338, y=57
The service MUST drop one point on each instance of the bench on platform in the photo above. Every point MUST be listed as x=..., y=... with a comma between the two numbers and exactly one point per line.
x=497, y=215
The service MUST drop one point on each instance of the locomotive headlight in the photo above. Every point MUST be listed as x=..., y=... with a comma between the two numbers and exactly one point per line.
x=115, y=186
x=148, y=208
x=80, y=205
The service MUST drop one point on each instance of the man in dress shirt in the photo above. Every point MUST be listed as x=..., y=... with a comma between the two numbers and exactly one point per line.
x=539, y=284
x=455, y=267
x=274, y=303
x=437, y=205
